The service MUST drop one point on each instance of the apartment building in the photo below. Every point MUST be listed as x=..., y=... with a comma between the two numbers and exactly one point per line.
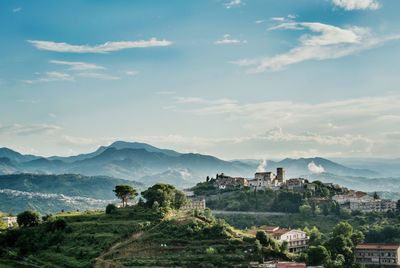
x=378, y=254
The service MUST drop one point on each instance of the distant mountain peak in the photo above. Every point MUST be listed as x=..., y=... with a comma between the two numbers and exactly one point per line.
x=139, y=145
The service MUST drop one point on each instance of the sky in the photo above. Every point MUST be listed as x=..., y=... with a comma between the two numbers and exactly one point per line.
x=233, y=78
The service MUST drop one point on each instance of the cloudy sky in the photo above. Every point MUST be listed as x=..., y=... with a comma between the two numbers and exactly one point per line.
x=232, y=78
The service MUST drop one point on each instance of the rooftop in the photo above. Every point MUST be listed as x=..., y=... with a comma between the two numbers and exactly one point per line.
x=375, y=246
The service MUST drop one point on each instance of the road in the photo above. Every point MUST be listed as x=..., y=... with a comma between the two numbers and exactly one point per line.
x=225, y=212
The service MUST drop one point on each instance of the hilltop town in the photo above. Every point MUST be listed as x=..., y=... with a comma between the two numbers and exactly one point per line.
x=318, y=193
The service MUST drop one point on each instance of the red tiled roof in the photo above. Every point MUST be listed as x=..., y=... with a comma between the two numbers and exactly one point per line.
x=360, y=194
x=378, y=246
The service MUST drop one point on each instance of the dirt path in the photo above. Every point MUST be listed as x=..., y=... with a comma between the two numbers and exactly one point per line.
x=102, y=263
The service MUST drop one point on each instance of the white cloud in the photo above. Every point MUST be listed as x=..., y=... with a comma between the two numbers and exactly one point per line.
x=288, y=18
x=31, y=129
x=226, y=40
x=197, y=100
x=102, y=48
x=278, y=19
x=357, y=4
x=314, y=168
x=131, y=73
x=51, y=77
x=99, y=76
x=190, y=100
x=17, y=9
x=77, y=65
x=348, y=127
x=330, y=42
x=166, y=92
x=233, y=3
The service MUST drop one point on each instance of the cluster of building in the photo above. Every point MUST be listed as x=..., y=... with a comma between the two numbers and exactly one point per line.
x=361, y=201
x=264, y=180
x=297, y=240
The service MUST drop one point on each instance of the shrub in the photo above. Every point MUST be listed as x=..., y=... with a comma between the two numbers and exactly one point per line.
x=110, y=208
x=28, y=219
x=59, y=224
x=210, y=250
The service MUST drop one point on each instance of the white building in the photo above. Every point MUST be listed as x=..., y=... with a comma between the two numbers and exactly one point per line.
x=297, y=240
x=352, y=197
x=268, y=180
x=10, y=221
x=363, y=202
x=199, y=204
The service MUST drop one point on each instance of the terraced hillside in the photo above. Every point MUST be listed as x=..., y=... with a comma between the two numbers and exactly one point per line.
x=183, y=240
x=85, y=237
x=128, y=237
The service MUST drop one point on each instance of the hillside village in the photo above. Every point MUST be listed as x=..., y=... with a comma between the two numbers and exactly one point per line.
x=313, y=195
x=346, y=198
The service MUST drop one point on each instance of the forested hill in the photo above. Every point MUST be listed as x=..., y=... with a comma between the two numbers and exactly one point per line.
x=53, y=193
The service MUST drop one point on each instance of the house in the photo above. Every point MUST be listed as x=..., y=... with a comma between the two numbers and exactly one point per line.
x=297, y=240
x=352, y=196
x=295, y=184
x=267, y=180
x=377, y=205
x=378, y=254
x=10, y=221
x=356, y=200
x=199, y=204
x=225, y=182
x=262, y=180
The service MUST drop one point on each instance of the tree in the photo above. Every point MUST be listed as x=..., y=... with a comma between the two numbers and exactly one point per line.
x=318, y=255
x=325, y=209
x=140, y=202
x=263, y=238
x=343, y=228
x=305, y=210
x=125, y=192
x=314, y=234
x=28, y=219
x=165, y=195
x=341, y=243
x=110, y=208
x=3, y=225
x=357, y=238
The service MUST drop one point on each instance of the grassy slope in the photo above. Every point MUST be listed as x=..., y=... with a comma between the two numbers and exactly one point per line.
x=180, y=240
x=89, y=234
x=133, y=237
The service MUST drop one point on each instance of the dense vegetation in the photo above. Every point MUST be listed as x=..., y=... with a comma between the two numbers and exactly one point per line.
x=97, y=187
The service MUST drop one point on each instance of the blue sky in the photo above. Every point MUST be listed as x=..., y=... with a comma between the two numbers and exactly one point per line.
x=234, y=78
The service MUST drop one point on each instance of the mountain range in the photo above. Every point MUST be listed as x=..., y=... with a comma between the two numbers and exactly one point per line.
x=148, y=164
